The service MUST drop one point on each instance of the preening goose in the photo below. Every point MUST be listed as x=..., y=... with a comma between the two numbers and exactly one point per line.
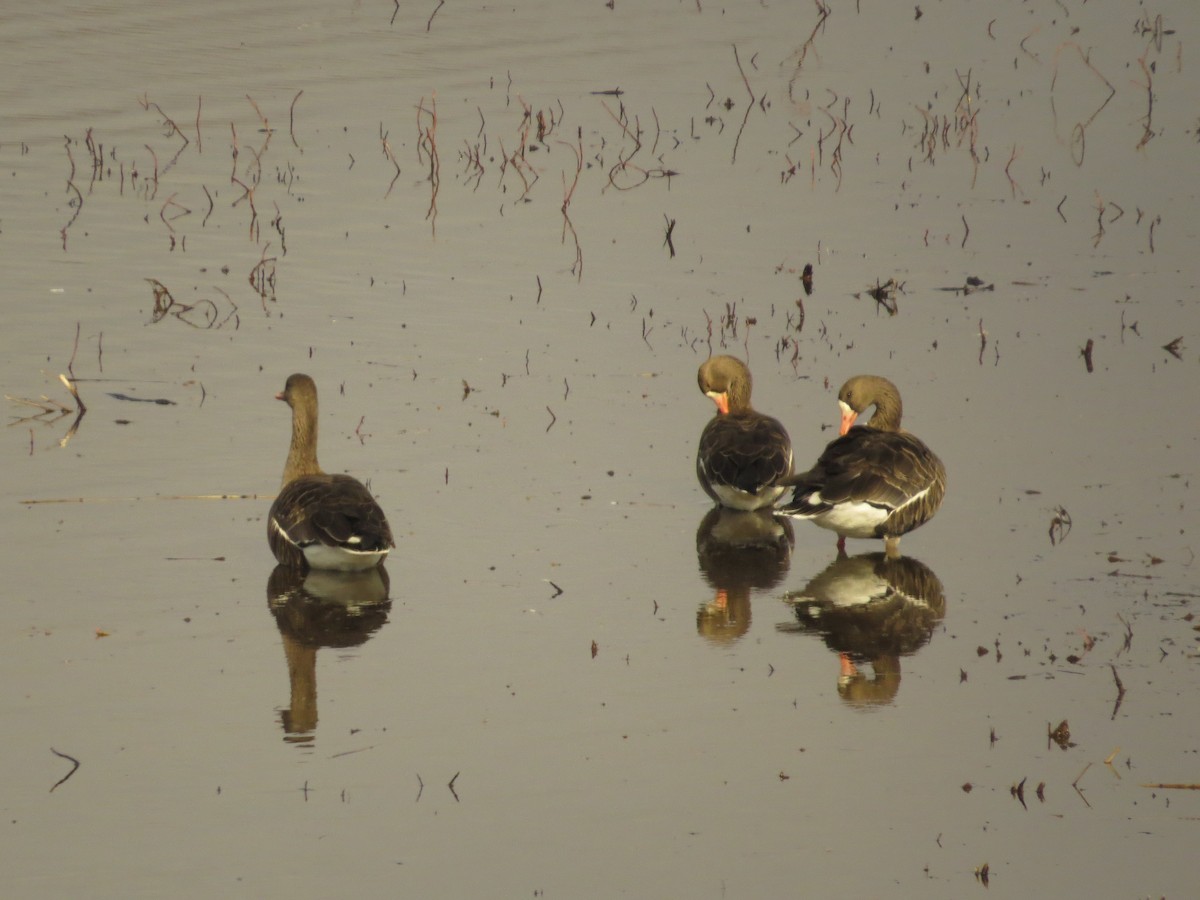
x=874, y=481
x=321, y=521
x=743, y=456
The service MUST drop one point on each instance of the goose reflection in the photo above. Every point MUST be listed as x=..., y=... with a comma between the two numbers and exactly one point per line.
x=870, y=609
x=317, y=609
x=738, y=552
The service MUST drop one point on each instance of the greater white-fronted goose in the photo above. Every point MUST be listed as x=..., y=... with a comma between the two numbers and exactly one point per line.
x=743, y=456
x=321, y=521
x=875, y=481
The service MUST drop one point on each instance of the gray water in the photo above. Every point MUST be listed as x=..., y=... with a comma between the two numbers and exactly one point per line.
x=566, y=686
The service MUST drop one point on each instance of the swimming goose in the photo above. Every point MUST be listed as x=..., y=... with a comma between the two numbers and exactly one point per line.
x=872, y=481
x=321, y=521
x=743, y=455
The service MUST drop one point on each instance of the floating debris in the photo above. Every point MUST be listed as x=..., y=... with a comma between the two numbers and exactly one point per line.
x=1060, y=526
x=161, y=401
x=1060, y=735
x=1018, y=791
x=74, y=767
x=981, y=874
x=885, y=294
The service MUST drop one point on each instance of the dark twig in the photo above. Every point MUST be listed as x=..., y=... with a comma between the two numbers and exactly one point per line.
x=78, y=203
x=429, y=23
x=749, y=106
x=1060, y=525
x=1120, y=691
x=568, y=225
x=292, y=121
x=69, y=774
x=1075, y=784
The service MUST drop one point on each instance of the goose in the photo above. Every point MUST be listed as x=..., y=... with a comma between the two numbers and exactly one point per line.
x=318, y=520
x=874, y=481
x=743, y=455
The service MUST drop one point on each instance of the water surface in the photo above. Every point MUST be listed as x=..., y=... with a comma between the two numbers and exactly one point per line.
x=569, y=686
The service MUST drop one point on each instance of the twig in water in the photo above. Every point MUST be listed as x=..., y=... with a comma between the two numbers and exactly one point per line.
x=568, y=225
x=749, y=106
x=1012, y=184
x=429, y=23
x=391, y=157
x=292, y=122
x=1075, y=784
x=155, y=497
x=69, y=774
x=451, y=786
x=1120, y=691
x=427, y=146
x=77, y=203
x=71, y=364
x=1060, y=526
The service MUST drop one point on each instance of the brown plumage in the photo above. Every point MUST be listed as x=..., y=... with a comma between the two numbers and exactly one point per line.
x=743, y=455
x=319, y=520
x=870, y=608
x=875, y=480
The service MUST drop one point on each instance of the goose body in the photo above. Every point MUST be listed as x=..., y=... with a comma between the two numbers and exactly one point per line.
x=874, y=481
x=319, y=520
x=744, y=456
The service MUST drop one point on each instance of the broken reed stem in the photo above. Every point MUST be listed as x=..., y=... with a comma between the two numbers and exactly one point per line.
x=74, y=767
x=390, y=155
x=427, y=144
x=429, y=22
x=74, y=391
x=749, y=106
x=78, y=204
x=292, y=121
x=48, y=500
x=1171, y=786
x=568, y=225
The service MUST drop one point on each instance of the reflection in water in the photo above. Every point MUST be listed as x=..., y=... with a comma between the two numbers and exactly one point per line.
x=872, y=609
x=739, y=551
x=321, y=609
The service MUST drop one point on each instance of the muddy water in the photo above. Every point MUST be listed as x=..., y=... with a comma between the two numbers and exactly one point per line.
x=572, y=681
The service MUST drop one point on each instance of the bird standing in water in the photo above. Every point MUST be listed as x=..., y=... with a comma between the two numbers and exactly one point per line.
x=318, y=520
x=744, y=456
x=874, y=481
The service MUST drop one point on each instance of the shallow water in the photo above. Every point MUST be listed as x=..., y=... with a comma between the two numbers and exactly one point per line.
x=574, y=687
